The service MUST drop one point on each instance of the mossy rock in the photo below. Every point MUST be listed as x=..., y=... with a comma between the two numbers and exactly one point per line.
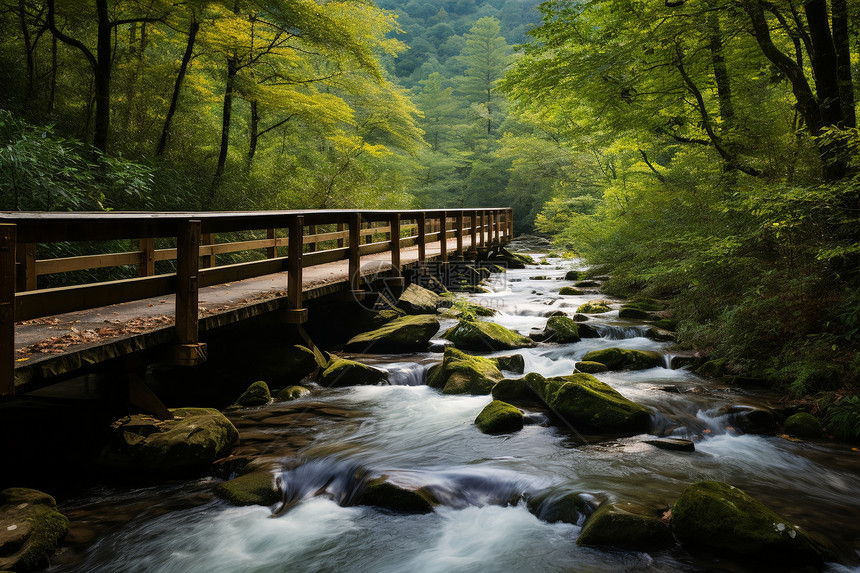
x=519, y=390
x=571, y=508
x=513, y=363
x=539, y=278
x=584, y=401
x=716, y=516
x=660, y=335
x=591, y=367
x=571, y=276
x=666, y=324
x=748, y=419
x=299, y=361
x=525, y=259
x=31, y=528
x=382, y=492
x=257, y=394
x=647, y=304
x=254, y=488
x=381, y=318
x=713, y=368
x=634, y=313
x=586, y=284
x=478, y=335
x=624, y=358
x=561, y=329
x=186, y=445
x=803, y=425
x=594, y=307
x=291, y=393
x=570, y=291
x=625, y=527
x=344, y=372
x=403, y=334
x=499, y=417
x=461, y=373
x=418, y=300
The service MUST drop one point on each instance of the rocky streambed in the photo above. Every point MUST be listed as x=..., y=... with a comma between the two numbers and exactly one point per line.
x=483, y=458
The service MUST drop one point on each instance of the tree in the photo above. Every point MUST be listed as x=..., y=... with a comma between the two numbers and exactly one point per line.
x=486, y=57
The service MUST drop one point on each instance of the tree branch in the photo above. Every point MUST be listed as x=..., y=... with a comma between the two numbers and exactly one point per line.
x=68, y=39
x=651, y=167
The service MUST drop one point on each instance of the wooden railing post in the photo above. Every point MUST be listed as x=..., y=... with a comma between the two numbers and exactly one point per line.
x=272, y=252
x=190, y=350
x=25, y=275
x=420, y=223
x=354, y=255
x=296, y=314
x=7, y=310
x=458, y=223
x=481, y=238
x=497, y=227
x=340, y=240
x=473, y=218
x=511, y=224
x=146, y=268
x=207, y=261
x=312, y=230
x=395, y=243
x=443, y=236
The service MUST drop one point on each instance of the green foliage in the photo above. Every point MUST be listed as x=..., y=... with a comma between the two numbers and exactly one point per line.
x=843, y=418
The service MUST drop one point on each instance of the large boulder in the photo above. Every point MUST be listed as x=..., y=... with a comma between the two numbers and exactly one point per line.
x=715, y=516
x=254, y=488
x=403, y=334
x=461, y=373
x=299, y=361
x=257, y=394
x=478, y=335
x=748, y=419
x=624, y=358
x=583, y=401
x=634, y=313
x=344, y=372
x=418, y=300
x=519, y=390
x=31, y=528
x=571, y=276
x=499, y=417
x=626, y=527
x=382, y=492
x=291, y=393
x=803, y=425
x=513, y=363
x=188, y=444
x=570, y=291
x=591, y=367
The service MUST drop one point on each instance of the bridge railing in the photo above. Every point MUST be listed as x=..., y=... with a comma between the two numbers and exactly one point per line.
x=309, y=238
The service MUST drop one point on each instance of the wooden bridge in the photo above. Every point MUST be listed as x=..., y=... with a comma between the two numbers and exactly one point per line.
x=187, y=272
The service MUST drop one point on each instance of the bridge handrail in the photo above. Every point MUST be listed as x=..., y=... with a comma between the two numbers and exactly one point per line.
x=195, y=233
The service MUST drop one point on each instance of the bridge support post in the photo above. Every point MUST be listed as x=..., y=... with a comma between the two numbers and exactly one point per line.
x=7, y=310
x=497, y=227
x=397, y=281
x=146, y=267
x=421, y=238
x=25, y=274
x=189, y=350
x=458, y=225
x=296, y=314
x=355, y=256
x=272, y=252
x=443, y=237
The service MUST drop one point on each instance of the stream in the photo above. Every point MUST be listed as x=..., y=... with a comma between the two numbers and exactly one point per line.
x=416, y=435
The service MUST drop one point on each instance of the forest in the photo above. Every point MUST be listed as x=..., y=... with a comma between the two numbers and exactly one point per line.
x=704, y=152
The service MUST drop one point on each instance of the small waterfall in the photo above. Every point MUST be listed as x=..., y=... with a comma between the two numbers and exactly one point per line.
x=338, y=479
x=407, y=373
x=615, y=332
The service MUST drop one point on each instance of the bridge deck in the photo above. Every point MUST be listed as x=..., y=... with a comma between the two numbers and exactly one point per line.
x=51, y=346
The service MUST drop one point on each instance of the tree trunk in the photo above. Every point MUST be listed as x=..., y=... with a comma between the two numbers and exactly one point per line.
x=721, y=74
x=102, y=78
x=177, y=86
x=823, y=62
x=28, y=50
x=232, y=70
x=52, y=94
x=254, y=128
x=843, y=62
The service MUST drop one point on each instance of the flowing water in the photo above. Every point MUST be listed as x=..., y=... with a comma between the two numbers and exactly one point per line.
x=418, y=436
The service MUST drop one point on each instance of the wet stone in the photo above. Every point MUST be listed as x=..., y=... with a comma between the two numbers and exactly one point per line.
x=672, y=444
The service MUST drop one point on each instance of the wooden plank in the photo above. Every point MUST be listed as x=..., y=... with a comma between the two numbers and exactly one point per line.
x=395, y=243
x=458, y=228
x=188, y=257
x=339, y=235
x=340, y=238
x=443, y=237
x=66, y=264
x=481, y=237
x=473, y=218
x=272, y=236
x=25, y=273
x=49, y=302
x=312, y=235
x=7, y=310
x=323, y=257
x=207, y=256
x=294, y=263
x=240, y=271
x=354, y=255
x=420, y=223
x=164, y=255
x=146, y=265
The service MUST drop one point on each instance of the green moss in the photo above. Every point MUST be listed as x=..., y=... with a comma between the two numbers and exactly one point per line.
x=466, y=374
x=514, y=363
x=584, y=401
x=343, y=372
x=571, y=276
x=436, y=376
x=634, y=313
x=666, y=324
x=519, y=390
x=570, y=291
x=625, y=359
x=619, y=527
x=485, y=336
x=647, y=304
x=594, y=307
x=803, y=425
x=299, y=361
x=399, y=335
x=498, y=417
x=257, y=394
x=255, y=488
x=561, y=329
x=31, y=529
x=291, y=393
x=714, y=515
x=713, y=368
x=586, y=284
x=591, y=367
